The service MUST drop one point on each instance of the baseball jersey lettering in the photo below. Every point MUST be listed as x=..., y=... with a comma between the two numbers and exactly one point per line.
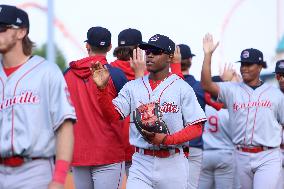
x=246, y=107
x=176, y=107
x=24, y=104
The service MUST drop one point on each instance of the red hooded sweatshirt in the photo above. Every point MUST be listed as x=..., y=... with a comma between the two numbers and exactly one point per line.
x=97, y=141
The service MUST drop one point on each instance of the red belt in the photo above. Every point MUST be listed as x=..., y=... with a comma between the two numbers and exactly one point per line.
x=162, y=153
x=255, y=149
x=15, y=161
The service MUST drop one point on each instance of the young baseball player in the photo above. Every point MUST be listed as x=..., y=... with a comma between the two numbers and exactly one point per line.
x=128, y=41
x=160, y=162
x=256, y=116
x=279, y=75
x=196, y=145
x=36, y=115
x=98, y=160
x=127, y=50
x=218, y=156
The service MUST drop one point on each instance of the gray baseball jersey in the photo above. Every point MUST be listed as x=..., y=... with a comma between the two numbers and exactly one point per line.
x=34, y=102
x=256, y=115
x=177, y=99
x=217, y=134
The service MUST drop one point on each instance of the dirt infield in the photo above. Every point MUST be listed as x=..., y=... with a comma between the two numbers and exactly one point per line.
x=70, y=184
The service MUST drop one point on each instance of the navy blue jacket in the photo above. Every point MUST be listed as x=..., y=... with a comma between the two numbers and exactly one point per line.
x=199, y=92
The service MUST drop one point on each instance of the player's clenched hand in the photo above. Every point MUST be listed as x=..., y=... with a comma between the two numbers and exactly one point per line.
x=208, y=44
x=55, y=185
x=154, y=138
x=138, y=63
x=100, y=74
x=177, y=56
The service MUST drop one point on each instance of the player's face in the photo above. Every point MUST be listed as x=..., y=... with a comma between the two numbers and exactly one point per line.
x=250, y=72
x=280, y=79
x=157, y=61
x=8, y=38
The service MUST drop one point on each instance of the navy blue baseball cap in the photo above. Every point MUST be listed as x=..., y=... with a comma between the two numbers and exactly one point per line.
x=129, y=37
x=279, y=68
x=185, y=51
x=159, y=41
x=11, y=15
x=253, y=56
x=99, y=37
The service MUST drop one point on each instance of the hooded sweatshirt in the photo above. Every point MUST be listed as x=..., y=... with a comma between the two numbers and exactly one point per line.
x=97, y=141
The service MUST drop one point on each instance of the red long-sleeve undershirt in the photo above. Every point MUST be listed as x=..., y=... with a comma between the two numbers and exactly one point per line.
x=188, y=133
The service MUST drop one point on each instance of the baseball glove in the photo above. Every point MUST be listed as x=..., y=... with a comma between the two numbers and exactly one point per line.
x=149, y=117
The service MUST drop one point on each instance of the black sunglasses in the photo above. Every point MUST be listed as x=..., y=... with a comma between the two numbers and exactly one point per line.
x=154, y=51
x=4, y=27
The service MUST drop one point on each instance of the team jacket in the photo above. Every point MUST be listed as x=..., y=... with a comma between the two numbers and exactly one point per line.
x=126, y=68
x=199, y=92
x=97, y=141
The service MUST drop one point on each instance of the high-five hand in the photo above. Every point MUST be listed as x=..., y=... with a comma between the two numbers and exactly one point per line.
x=177, y=56
x=138, y=63
x=208, y=44
x=100, y=75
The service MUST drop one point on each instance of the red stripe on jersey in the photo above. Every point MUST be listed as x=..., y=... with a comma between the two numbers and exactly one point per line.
x=12, y=132
x=256, y=113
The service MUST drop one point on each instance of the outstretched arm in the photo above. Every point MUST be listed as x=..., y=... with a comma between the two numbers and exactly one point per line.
x=206, y=81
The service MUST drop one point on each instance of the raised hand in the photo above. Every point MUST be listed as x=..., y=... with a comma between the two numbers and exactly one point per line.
x=100, y=75
x=177, y=56
x=138, y=63
x=228, y=72
x=208, y=44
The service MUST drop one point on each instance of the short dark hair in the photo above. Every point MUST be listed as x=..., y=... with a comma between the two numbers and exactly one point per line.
x=95, y=49
x=185, y=64
x=124, y=52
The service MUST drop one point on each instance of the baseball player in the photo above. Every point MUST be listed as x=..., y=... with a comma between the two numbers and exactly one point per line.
x=36, y=115
x=98, y=160
x=196, y=145
x=279, y=75
x=128, y=41
x=218, y=156
x=159, y=163
x=256, y=116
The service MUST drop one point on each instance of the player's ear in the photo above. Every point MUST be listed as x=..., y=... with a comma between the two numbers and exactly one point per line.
x=109, y=48
x=88, y=47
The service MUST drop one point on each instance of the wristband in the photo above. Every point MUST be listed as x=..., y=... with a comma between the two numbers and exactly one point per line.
x=61, y=170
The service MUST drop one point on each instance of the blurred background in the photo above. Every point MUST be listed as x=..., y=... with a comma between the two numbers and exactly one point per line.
x=237, y=24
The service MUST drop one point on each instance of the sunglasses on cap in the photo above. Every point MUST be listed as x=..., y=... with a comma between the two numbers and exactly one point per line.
x=155, y=51
x=5, y=27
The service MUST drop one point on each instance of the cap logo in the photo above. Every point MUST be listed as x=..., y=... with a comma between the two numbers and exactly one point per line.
x=245, y=54
x=0, y=9
x=170, y=48
x=122, y=42
x=19, y=21
x=281, y=65
x=154, y=38
x=102, y=43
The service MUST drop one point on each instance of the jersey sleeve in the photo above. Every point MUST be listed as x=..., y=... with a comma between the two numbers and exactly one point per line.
x=122, y=102
x=191, y=110
x=60, y=105
x=225, y=91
